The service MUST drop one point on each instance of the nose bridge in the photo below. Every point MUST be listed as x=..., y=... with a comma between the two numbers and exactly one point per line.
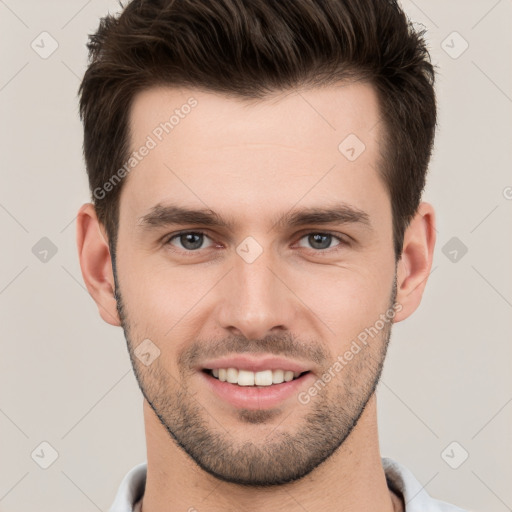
x=255, y=299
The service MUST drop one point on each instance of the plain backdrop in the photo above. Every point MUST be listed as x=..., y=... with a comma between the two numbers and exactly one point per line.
x=445, y=399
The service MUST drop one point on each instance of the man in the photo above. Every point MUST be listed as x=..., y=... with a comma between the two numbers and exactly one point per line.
x=256, y=170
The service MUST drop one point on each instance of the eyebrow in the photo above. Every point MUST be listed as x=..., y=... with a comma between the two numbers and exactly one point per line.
x=162, y=215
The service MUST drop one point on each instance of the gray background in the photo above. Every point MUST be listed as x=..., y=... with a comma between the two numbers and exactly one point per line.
x=65, y=375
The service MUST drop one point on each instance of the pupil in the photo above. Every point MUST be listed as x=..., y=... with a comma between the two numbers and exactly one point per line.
x=186, y=240
x=317, y=239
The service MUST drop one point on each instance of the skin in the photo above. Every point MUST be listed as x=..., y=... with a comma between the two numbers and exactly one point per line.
x=250, y=162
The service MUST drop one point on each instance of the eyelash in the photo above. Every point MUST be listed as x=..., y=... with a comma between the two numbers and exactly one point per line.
x=343, y=242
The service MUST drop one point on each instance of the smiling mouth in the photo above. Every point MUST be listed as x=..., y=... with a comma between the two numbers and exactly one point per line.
x=264, y=378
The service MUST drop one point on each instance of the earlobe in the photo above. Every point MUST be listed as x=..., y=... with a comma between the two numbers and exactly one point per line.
x=96, y=263
x=416, y=261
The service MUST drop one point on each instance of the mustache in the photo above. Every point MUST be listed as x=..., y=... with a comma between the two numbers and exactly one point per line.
x=284, y=344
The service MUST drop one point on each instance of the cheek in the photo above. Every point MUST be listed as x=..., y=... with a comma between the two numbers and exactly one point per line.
x=337, y=301
x=161, y=301
x=348, y=301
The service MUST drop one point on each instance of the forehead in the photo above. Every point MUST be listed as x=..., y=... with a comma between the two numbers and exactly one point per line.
x=207, y=149
x=312, y=114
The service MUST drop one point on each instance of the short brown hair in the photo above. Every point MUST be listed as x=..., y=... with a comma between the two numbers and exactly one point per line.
x=249, y=49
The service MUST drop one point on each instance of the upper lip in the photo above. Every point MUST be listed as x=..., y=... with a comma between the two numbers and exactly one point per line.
x=259, y=364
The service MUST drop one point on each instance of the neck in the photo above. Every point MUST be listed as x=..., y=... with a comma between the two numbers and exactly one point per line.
x=352, y=479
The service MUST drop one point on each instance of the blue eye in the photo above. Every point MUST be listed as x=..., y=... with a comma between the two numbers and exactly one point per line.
x=190, y=240
x=318, y=240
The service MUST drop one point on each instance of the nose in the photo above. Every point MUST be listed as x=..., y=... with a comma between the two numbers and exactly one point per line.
x=256, y=300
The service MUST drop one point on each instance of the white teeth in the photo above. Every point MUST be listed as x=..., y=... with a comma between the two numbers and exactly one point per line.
x=232, y=375
x=277, y=376
x=263, y=378
x=245, y=378
x=248, y=378
x=288, y=376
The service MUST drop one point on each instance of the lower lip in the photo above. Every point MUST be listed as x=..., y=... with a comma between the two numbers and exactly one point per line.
x=254, y=397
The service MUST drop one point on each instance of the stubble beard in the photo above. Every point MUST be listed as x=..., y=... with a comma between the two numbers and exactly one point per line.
x=285, y=454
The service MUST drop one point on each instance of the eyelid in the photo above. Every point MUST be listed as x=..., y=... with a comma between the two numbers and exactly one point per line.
x=344, y=240
x=342, y=237
x=167, y=238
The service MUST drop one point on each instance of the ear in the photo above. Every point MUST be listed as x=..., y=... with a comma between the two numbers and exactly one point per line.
x=96, y=263
x=416, y=260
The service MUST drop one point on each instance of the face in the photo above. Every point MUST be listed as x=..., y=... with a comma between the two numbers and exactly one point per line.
x=289, y=266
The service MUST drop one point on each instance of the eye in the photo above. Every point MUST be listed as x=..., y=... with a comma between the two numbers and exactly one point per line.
x=192, y=241
x=189, y=240
x=322, y=241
